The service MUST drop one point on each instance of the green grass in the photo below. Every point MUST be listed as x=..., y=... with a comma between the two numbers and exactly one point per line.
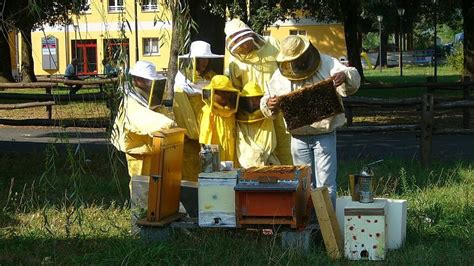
x=72, y=208
x=411, y=74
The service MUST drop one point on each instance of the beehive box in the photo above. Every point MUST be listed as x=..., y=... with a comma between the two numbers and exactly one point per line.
x=163, y=168
x=311, y=104
x=395, y=217
x=273, y=195
x=365, y=230
x=216, y=199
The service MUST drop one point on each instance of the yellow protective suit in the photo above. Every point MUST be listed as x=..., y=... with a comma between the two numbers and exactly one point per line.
x=132, y=131
x=256, y=138
x=256, y=143
x=219, y=130
x=259, y=67
x=218, y=125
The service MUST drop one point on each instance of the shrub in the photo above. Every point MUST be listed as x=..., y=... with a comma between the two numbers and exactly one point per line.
x=456, y=59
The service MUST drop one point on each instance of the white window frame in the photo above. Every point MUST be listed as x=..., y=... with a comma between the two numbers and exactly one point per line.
x=298, y=32
x=149, y=42
x=148, y=6
x=116, y=7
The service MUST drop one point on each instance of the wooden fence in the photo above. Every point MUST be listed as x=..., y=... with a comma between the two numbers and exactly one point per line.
x=48, y=100
x=426, y=105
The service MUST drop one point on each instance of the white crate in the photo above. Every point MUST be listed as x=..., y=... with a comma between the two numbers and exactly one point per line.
x=396, y=217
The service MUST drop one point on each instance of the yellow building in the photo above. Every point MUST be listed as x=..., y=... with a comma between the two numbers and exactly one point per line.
x=328, y=38
x=99, y=33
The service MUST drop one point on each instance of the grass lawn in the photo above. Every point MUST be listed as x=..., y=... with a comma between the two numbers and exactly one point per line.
x=71, y=208
x=411, y=74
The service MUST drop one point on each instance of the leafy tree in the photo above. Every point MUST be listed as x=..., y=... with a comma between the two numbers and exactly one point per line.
x=28, y=15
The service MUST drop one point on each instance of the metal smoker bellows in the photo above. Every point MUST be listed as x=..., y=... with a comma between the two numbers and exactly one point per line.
x=209, y=158
x=366, y=183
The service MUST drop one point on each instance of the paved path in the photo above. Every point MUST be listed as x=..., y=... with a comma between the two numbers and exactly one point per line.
x=350, y=146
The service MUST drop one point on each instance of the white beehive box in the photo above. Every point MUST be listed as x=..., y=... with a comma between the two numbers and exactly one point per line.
x=396, y=219
x=216, y=199
x=365, y=230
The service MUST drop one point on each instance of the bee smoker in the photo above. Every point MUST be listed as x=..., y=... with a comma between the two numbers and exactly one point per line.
x=366, y=183
x=209, y=158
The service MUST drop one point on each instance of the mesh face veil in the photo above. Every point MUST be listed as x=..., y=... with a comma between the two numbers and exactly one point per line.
x=249, y=103
x=221, y=96
x=242, y=43
x=303, y=66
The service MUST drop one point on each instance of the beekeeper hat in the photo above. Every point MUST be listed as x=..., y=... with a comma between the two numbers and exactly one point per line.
x=221, y=82
x=200, y=49
x=251, y=89
x=235, y=25
x=145, y=69
x=292, y=47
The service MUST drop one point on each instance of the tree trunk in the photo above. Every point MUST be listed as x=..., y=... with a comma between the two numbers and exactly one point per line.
x=210, y=27
x=468, y=15
x=384, y=48
x=174, y=51
x=384, y=43
x=351, y=17
x=5, y=60
x=27, y=63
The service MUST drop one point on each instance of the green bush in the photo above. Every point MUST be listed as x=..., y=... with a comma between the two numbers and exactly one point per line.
x=456, y=59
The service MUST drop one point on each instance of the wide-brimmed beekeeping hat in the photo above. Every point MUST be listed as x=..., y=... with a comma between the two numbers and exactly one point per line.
x=298, y=58
x=200, y=49
x=145, y=69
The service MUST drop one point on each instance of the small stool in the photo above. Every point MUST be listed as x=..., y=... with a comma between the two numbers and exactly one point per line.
x=365, y=230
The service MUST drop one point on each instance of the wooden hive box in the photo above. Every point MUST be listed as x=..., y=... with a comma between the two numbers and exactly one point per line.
x=311, y=104
x=273, y=195
x=164, y=168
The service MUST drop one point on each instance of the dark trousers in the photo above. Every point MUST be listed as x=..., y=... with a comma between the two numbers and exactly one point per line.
x=74, y=88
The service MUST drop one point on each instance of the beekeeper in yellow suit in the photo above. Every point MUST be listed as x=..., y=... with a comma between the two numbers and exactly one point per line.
x=218, y=116
x=189, y=81
x=253, y=58
x=135, y=123
x=256, y=138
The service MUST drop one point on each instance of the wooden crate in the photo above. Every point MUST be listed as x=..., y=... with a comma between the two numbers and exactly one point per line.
x=273, y=195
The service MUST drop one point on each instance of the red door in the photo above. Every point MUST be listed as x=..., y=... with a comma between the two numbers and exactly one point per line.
x=86, y=52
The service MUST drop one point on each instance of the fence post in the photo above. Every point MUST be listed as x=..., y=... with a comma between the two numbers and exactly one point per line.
x=426, y=128
x=430, y=89
x=466, y=113
x=349, y=115
x=49, y=108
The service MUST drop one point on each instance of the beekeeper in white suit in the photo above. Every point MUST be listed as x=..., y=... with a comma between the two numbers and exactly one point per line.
x=135, y=123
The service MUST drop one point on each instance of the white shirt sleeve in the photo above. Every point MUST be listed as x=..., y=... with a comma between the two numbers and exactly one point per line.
x=352, y=83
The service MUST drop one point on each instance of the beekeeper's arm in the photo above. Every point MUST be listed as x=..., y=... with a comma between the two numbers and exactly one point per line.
x=235, y=75
x=183, y=84
x=270, y=96
x=144, y=121
x=349, y=76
